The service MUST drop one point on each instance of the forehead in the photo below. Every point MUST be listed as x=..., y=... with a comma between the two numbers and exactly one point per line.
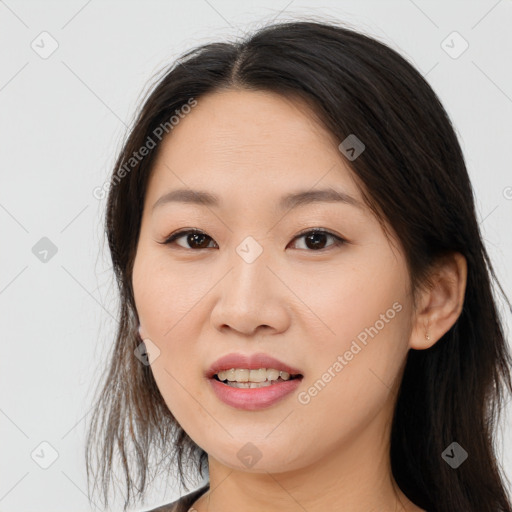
x=250, y=114
x=253, y=140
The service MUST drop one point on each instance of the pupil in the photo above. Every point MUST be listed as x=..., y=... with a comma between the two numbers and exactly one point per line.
x=193, y=239
x=312, y=237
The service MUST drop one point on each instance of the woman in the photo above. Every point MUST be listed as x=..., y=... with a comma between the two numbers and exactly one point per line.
x=306, y=304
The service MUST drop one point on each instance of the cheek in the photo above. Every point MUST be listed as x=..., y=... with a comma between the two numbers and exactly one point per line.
x=363, y=338
x=164, y=295
x=347, y=302
x=166, y=301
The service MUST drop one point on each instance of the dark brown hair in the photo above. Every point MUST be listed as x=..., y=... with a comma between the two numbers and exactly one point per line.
x=414, y=177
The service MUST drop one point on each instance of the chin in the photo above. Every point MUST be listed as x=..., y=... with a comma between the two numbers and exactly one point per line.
x=258, y=456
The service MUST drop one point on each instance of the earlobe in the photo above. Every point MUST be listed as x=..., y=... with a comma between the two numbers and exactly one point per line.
x=440, y=304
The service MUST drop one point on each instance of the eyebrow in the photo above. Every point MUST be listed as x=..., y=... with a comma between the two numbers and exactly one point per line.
x=288, y=201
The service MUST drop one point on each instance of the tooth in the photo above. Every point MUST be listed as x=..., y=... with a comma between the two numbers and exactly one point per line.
x=260, y=384
x=250, y=385
x=242, y=375
x=238, y=384
x=230, y=374
x=258, y=375
x=272, y=374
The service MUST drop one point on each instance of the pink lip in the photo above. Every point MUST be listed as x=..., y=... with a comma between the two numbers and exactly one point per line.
x=251, y=399
x=251, y=362
x=255, y=398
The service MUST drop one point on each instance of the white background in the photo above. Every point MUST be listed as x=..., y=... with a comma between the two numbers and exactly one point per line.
x=61, y=123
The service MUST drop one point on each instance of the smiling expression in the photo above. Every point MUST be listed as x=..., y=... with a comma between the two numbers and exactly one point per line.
x=254, y=279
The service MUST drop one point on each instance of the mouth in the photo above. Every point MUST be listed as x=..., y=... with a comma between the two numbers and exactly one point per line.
x=251, y=379
x=252, y=371
x=252, y=382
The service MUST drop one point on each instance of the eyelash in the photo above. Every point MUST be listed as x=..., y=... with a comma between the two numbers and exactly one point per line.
x=338, y=240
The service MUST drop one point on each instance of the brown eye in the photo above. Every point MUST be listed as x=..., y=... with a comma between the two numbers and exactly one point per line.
x=315, y=239
x=195, y=238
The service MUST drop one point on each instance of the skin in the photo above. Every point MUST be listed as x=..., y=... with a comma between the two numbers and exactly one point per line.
x=302, y=305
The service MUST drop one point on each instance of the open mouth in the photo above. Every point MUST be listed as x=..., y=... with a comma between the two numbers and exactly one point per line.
x=252, y=383
x=246, y=383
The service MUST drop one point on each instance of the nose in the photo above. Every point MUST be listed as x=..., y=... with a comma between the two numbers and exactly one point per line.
x=251, y=298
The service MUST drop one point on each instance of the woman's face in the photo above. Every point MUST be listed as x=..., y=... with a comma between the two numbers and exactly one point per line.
x=339, y=312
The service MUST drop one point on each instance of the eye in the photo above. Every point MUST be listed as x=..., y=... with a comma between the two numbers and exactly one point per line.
x=195, y=237
x=314, y=238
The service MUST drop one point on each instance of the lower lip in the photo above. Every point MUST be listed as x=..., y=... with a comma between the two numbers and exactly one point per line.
x=251, y=399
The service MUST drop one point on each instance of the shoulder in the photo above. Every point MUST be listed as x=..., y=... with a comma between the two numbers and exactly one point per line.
x=182, y=504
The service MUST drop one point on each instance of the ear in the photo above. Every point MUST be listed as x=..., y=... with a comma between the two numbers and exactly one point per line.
x=440, y=303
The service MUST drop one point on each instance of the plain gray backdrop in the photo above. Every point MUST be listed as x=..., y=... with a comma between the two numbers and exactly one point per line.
x=71, y=76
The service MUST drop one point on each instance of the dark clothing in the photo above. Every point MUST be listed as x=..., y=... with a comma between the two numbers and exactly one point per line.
x=182, y=504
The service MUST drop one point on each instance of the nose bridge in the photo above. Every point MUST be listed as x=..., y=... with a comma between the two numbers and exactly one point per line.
x=250, y=272
x=250, y=295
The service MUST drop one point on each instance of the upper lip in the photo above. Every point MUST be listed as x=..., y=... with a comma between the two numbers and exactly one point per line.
x=251, y=362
